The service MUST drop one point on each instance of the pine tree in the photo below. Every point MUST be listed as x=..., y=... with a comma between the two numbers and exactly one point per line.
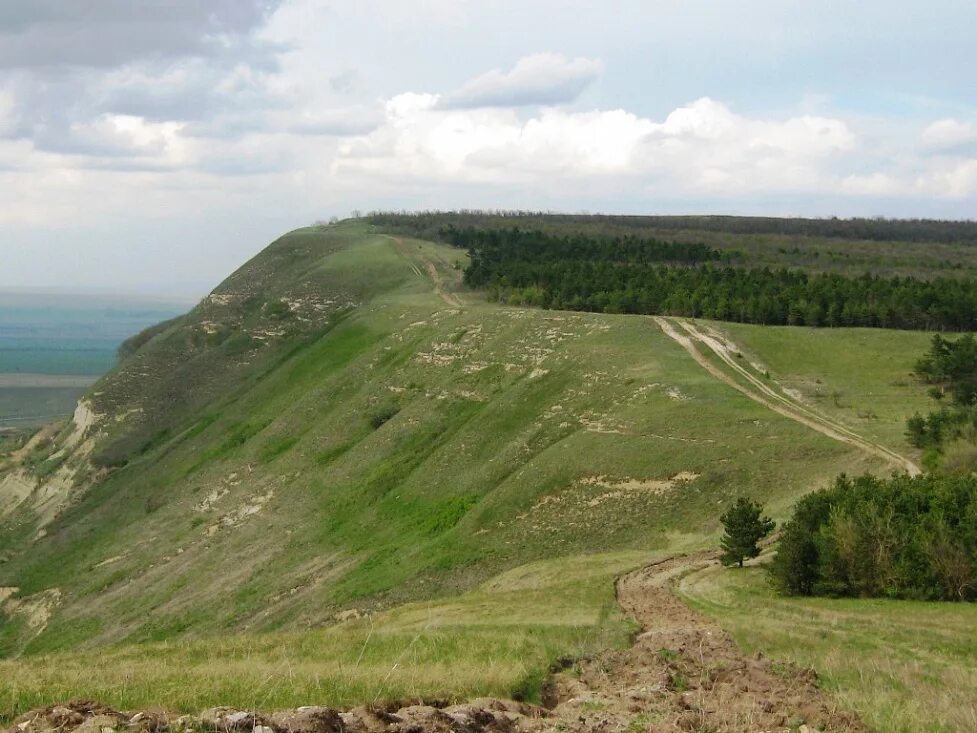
x=745, y=526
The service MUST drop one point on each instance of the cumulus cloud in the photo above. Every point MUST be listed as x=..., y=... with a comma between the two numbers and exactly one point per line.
x=115, y=136
x=949, y=136
x=701, y=146
x=957, y=180
x=539, y=79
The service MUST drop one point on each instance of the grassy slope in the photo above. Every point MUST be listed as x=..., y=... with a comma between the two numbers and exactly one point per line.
x=907, y=667
x=497, y=639
x=860, y=377
x=279, y=501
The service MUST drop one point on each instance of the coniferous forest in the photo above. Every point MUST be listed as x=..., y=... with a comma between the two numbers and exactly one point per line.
x=627, y=274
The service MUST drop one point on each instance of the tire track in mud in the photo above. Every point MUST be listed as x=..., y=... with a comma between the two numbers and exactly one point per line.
x=768, y=397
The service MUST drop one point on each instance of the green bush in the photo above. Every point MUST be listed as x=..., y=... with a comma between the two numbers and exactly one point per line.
x=902, y=537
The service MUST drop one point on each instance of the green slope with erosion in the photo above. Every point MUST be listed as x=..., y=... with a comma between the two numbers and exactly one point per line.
x=338, y=429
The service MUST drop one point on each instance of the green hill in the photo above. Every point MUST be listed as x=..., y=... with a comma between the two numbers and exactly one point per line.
x=340, y=428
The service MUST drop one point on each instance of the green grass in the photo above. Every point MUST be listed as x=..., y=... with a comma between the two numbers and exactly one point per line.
x=861, y=377
x=906, y=667
x=482, y=467
x=498, y=639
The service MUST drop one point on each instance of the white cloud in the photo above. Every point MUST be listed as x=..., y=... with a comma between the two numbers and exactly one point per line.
x=957, y=180
x=949, y=134
x=539, y=79
x=701, y=146
x=116, y=136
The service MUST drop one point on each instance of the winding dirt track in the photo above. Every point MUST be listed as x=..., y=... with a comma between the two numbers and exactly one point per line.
x=432, y=272
x=765, y=395
x=684, y=673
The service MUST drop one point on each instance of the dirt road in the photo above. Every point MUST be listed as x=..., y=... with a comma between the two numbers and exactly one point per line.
x=432, y=271
x=691, y=338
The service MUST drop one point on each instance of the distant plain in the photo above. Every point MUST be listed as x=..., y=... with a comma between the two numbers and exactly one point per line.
x=53, y=346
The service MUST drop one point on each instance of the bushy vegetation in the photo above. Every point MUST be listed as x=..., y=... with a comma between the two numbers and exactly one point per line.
x=902, y=537
x=948, y=434
x=630, y=275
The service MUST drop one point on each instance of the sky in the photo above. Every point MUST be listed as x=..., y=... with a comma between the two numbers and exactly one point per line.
x=152, y=146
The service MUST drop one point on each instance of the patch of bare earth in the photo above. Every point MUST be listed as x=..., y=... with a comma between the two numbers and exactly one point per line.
x=683, y=673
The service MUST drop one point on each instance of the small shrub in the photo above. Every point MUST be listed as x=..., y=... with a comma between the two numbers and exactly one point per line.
x=277, y=310
x=239, y=343
x=959, y=457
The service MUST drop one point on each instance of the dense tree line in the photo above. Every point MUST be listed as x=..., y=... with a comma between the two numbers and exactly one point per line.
x=492, y=249
x=902, y=537
x=874, y=229
x=634, y=275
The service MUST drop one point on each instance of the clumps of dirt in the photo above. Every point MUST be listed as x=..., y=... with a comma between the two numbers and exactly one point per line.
x=677, y=395
x=250, y=508
x=684, y=673
x=418, y=716
x=573, y=507
x=593, y=422
x=107, y=561
x=222, y=489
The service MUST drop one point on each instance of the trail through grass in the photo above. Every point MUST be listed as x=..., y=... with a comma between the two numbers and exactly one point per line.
x=906, y=667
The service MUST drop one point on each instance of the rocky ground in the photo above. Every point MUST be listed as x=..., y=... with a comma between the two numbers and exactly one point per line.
x=683, y=673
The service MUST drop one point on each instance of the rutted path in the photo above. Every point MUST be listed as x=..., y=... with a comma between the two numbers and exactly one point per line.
x=432, y=272
x=683, y=673
x=765, y=395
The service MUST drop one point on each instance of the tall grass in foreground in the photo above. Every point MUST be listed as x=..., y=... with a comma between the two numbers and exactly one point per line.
x=498, y=640
x=903, y=665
